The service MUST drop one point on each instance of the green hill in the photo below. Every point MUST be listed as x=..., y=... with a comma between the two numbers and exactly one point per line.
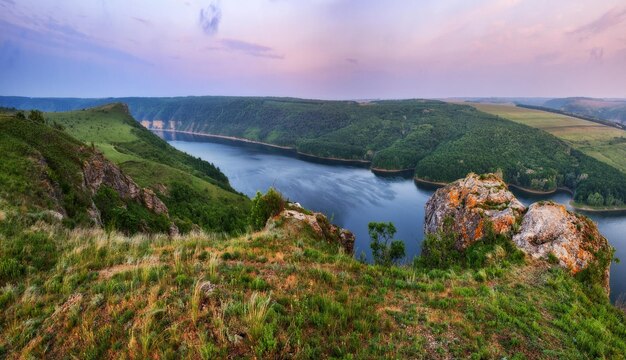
x=194, y=191
x=613, y=110
x=441, y=141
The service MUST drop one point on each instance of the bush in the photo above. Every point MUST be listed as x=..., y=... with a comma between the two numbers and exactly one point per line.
x=439, y=250
x=36, y=116
x=266, y=206
x=128, y=216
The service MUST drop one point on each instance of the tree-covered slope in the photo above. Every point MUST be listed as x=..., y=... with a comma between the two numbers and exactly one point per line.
x=602, y=109
x=441, y=141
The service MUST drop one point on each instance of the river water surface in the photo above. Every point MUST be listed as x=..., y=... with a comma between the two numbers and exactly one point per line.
x=353, y=196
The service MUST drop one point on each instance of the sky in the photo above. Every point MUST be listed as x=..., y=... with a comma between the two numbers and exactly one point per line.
x=326, y=49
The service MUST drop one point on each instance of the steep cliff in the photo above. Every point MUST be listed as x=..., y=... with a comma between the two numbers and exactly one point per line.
x=98, y=171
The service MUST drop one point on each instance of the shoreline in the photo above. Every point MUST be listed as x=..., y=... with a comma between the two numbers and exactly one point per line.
x=429, y=182
x=226, y=137
x=334, y=160
x=386, y=172
x=289, y=149
x=539, y=192
x=577, y=207
x=382, y=172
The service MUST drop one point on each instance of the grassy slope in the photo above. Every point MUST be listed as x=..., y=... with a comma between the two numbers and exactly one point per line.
x=282, y=293
x=41, y=168
x=604, y=143
x=151, y=162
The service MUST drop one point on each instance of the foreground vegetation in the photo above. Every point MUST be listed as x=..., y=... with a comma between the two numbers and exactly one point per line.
x=284, y=293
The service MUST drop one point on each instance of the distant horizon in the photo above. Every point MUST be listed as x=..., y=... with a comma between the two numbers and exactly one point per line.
x=326, y=99
x=321, y=49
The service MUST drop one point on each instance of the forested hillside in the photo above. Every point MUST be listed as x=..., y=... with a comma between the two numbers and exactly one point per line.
x=441, y=141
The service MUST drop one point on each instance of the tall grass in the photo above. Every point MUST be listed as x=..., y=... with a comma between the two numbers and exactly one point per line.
x=255, y=312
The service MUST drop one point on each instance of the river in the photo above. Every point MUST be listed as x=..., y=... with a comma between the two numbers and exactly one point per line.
x=353, y=196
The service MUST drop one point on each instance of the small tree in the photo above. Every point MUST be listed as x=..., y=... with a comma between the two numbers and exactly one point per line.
x=36, y=116
x=20, y=115
x=385, y=250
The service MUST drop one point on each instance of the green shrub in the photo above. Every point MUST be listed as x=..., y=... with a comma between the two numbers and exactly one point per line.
x=266, y=206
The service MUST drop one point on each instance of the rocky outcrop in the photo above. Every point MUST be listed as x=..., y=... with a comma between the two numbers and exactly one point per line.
x=469, y=204
x=318, y=223
x=546, y=231
x=98, y=171
x=549, y=230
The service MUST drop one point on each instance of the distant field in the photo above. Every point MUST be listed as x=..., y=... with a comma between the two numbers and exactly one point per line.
x=604, y=143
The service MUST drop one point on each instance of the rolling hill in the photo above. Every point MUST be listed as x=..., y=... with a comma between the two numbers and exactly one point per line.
x=613, y=110
x=439, y=141
x=194, y=191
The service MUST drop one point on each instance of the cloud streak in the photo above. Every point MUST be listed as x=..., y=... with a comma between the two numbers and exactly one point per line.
x=249, y=48
x=141, y=20
x=605, y=22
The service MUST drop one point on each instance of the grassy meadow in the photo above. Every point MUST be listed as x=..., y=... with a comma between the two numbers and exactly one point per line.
x=605, y=143
x=283, y=293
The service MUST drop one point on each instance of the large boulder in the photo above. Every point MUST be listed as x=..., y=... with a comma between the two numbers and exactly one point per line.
x=550, y=230
x=318, y=222
x=470, y=203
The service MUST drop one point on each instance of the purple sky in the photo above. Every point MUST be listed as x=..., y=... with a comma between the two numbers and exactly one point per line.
x=344, y=49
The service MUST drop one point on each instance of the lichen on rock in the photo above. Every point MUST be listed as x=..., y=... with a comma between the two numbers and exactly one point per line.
x=546, y=231
x=471, y=203
x=550, y=230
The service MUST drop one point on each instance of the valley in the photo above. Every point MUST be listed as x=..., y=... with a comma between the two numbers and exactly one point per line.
x=440, y=141
x=295, y=287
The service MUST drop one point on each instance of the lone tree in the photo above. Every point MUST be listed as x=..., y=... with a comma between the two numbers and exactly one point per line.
x=36, y=116
x=385, y=250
